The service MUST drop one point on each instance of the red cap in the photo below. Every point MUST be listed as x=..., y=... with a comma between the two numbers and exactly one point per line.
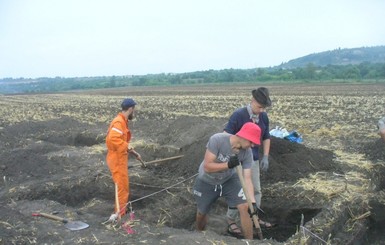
x=251, y=132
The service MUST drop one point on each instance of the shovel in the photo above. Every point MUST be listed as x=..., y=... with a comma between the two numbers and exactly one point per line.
x=72, y=225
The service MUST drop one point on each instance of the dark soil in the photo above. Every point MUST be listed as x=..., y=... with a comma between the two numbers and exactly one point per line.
x=59, y=167
x=375, y=150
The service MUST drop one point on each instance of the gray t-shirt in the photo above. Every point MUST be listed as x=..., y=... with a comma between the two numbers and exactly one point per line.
x=219, y=145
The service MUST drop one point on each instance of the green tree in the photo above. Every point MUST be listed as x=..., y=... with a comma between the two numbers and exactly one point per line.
x=112, y=81
x=310, y=71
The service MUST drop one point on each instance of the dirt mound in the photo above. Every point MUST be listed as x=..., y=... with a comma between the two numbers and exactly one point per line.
x=374, y=150
x=26, y=147
x=290, y=161
x=186, y=136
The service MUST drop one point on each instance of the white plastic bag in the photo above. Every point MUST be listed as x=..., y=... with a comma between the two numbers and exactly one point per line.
x=277, y=132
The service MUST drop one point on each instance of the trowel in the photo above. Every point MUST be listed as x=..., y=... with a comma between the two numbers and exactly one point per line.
x=72, y=225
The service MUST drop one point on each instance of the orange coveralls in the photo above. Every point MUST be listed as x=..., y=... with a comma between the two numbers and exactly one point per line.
x=117, y=140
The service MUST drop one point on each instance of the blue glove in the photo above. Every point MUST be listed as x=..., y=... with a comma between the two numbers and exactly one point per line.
x=264, y=163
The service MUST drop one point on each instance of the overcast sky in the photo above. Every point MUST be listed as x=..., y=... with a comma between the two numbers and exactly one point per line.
x=76, y=38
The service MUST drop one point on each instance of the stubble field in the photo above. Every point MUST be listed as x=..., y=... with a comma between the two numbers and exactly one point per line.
x=52, y=160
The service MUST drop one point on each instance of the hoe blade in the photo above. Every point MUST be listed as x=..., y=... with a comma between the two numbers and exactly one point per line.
x=76, y=225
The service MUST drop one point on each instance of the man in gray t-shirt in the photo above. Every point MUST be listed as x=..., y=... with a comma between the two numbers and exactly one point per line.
x=217, y=176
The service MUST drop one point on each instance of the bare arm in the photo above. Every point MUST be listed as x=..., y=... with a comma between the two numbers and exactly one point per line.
x=249, y=184
x=382, y=133
x=135, y=153
x=266, y=147
x=210, y=166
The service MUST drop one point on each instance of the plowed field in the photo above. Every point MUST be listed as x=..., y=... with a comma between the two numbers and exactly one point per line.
x=52, y=160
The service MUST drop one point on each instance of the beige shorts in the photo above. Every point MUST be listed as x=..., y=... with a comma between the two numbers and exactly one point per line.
x=381, y=124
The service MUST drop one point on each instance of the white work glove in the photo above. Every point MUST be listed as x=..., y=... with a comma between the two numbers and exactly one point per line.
x=381, y=124
x=264, y=163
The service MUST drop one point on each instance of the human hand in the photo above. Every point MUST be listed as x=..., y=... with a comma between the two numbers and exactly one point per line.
x=233, y=161
x=138, y=156
x=255, y=210
x=264, y=163
x=135, y=153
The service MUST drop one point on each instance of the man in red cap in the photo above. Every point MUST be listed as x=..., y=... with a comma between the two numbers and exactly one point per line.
x=217, y=176
x=117, y=141
x=252, y=113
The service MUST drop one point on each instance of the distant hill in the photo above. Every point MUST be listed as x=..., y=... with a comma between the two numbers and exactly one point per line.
x=353, y=56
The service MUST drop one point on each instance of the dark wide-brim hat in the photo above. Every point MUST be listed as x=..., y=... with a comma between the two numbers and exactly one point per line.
x=261, y=95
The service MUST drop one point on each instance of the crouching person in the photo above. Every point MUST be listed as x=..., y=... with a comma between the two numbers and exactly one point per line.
x=217, y=176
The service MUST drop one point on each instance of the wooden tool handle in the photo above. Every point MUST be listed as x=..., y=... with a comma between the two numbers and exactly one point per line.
x=249, y=203
x=133, y=152
x=165, y=159
x=117, y=201
x=51, y=216
x=143, y=163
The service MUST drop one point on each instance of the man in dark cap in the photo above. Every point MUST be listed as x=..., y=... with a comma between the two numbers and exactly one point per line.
x=255, y=113
x=118, y=148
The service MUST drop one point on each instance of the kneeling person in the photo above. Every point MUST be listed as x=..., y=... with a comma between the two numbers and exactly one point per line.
x=217, y=176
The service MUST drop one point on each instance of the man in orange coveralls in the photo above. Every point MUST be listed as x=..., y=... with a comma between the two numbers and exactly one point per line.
x=118, y=148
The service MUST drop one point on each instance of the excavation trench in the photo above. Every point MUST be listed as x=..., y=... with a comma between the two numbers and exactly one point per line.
x=66, y=173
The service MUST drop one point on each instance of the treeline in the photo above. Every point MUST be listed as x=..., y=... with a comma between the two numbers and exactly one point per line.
x=310, y=73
